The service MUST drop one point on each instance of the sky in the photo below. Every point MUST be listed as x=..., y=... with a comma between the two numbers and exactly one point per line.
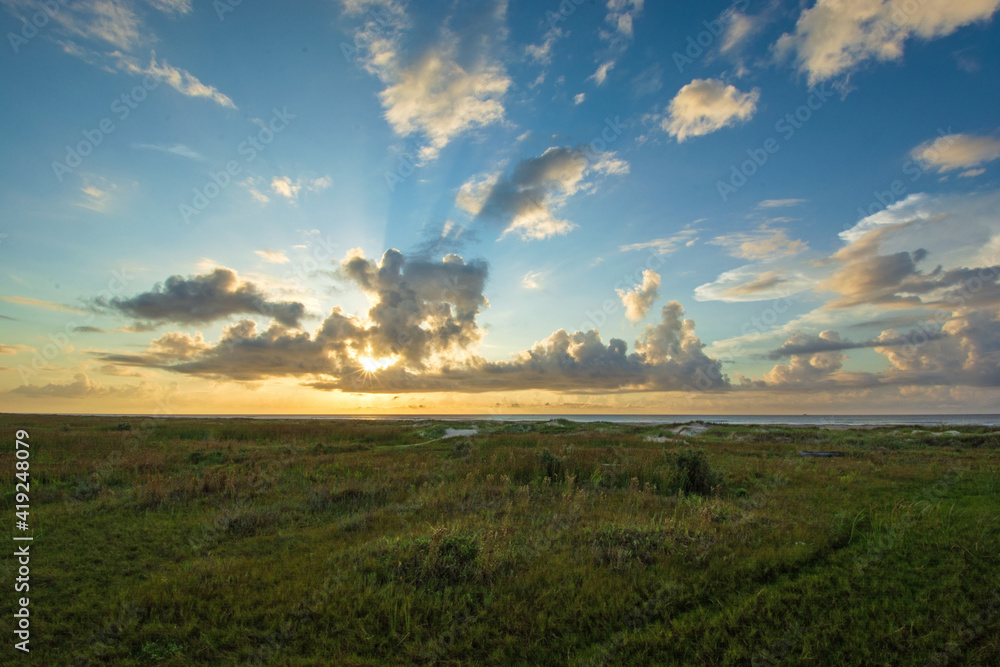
x=500, y=207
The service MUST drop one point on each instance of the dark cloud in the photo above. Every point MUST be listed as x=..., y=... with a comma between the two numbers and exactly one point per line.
x=421, y=333
x=420, y=307
x=807, y=345
x=80, y=387
x=525, y=200
x=88, y=329
x=965, y=352
x=202, y=299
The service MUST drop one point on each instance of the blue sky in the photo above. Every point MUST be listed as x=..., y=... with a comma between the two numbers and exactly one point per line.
x=381, y=206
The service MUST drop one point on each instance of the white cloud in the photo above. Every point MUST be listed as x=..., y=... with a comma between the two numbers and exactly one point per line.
x=449, y=89
x=835, y=37
x=172, y=6
x=755, y=283
x=180, y=80
x=97, y=192
x=286, y=187
x=530, y=280
x=272, y=256
x=253, y=186
x=441, y=100
x=115, y=23
x=601, y=75
x=174, y=149
x=639, y=299
x=542, y=53
x=706, y=105
x=780, y=203
x=322, y=183
x=762, y=243
x=664, y=245
x=957, y=151
x=739, y=30
x=621, y=17
x=580, y=97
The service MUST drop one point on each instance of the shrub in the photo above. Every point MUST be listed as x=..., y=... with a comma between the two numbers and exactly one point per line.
x=461, y=450
x=552, y=464
x=693, y=472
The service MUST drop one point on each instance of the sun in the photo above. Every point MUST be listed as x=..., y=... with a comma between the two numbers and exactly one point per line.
x=373, y=365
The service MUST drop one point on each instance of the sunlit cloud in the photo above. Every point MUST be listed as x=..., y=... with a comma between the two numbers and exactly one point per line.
x=835, y=37
x=639, y=299
x=705, y=106
x=272, y=256
x=957, y=151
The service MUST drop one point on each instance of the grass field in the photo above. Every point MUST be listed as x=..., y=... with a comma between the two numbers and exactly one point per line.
x=237, y=541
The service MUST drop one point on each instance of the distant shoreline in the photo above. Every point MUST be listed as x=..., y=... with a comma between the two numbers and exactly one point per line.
x=828, y=421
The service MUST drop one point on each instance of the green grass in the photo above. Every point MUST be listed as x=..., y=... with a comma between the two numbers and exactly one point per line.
x=298, y=542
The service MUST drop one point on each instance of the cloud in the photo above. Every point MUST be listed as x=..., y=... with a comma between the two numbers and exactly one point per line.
x=38, y=303
x=272, y=256
x=755, y=283
x=450, y=87
x=739, y=30
x=97, y=193
x=14, y=349
x=836, y=37
x=113, y=22
x=621, y=16
x=965, y=351
x=810, y=345
x=706, y=105
x=542, y=53
x=116, y=23
x=173, y=149
x=526, y=199
x=808, y=368
x=80, y=387
x=201, y=299
x=601, y=74
x=882, y=263
x=866, y=277
x=253, y=185
x=957, y=151
x=421, y=332
x=284, y=186
x=664, y=245
x=115, y=371
x=639, y=299
x=322, y=183
x=763, y=243
x=181, y=80
x=530, y=280
x=780, y=203
x=172, y=6
x=668, y=357
x=579, y=98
